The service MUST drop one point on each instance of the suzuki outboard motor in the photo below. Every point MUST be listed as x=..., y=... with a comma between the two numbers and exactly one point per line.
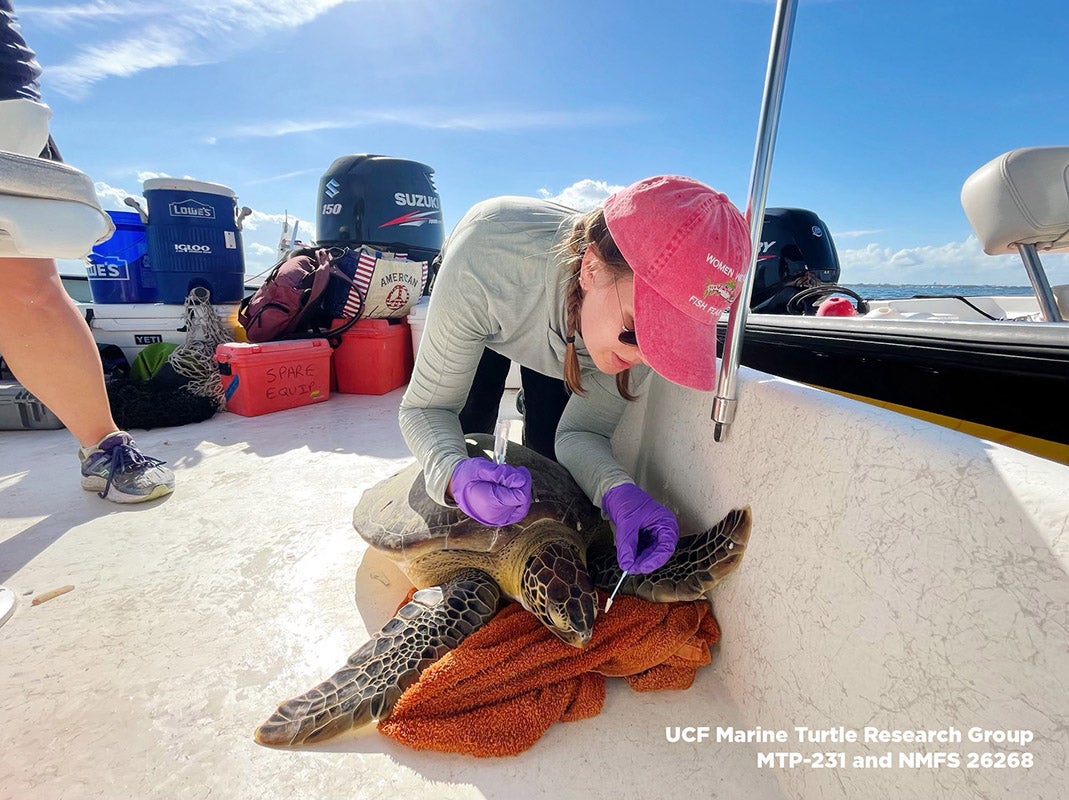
x=386, y=203
x=796, y=253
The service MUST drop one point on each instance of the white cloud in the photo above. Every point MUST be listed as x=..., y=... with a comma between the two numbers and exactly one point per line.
x=583, y=195
x=957, y=263
x=262, y=220
x=146, y=175
x=75, y=14
x=284, y=176
x=855, y=234
x=113, y=197
x=284, y=127
x=430, y=119
x=184, y=33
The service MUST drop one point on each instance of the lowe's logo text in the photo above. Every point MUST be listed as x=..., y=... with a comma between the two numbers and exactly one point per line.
x=417, y=200
x=192, y=208
x=192, y=248
x=109, y=270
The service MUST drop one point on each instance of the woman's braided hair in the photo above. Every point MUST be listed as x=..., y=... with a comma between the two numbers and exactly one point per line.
x=590, y=231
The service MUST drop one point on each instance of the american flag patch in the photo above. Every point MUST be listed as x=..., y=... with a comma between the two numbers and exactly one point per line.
x=365, y=268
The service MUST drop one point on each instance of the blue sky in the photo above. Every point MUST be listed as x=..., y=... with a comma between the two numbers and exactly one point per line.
x=889, y=106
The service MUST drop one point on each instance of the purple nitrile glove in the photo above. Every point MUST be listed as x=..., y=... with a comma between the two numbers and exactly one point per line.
x=494, y=494
x=646, y=531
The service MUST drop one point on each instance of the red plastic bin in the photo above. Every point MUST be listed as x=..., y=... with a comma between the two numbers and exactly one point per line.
x=375, y=357
x=274, y=376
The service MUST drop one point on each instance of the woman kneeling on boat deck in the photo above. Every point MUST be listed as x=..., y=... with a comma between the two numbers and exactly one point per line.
x=599, y=298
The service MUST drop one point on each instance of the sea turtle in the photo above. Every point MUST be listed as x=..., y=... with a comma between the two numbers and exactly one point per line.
x=550, y=562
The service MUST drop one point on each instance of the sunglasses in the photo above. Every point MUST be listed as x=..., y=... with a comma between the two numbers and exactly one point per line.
x=627, y=335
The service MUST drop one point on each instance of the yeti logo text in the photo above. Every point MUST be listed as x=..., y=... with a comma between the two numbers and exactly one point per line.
x=716, y=263
x=417, y=200
x=191, y=208
x=193, y=248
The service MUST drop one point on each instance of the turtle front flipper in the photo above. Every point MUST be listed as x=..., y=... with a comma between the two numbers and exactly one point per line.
x=698, y=563
x=427, y=627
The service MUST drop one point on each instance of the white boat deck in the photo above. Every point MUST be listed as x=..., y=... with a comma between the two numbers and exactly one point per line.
x=192, y=617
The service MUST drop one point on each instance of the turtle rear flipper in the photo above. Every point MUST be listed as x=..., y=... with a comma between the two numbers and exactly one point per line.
x=698, y=563
x=434, y=622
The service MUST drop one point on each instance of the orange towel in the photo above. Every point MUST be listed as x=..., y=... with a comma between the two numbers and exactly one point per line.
x=502, y=688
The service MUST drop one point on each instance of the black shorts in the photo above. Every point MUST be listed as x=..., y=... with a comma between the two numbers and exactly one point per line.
x=544, y=399
x=19, y=70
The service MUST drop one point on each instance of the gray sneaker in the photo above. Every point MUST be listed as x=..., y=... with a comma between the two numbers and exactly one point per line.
x=119, y=472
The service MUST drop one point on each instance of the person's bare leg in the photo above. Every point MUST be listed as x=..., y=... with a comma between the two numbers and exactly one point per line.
x=50, y=350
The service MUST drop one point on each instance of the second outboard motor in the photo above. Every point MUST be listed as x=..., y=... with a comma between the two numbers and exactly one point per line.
x=383, y=202
x=796, y=253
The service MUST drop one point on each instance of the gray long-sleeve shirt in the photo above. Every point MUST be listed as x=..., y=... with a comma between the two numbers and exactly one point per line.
x=501, y=286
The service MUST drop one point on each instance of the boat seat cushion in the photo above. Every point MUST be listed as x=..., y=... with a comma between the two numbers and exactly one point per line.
x=1021, y=197
x=48, y=209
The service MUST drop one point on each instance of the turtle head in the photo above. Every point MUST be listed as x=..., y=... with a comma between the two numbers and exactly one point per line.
x=557, y=588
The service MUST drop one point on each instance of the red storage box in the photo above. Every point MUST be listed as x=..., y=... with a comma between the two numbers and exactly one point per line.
x=273, y=376
x=375, y=357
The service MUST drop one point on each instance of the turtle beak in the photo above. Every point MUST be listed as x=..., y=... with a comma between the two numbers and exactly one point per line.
x=578, y=639
x=558, y=589
x=578, y=614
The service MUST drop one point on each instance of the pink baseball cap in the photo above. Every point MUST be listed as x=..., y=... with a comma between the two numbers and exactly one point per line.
x=689, y=248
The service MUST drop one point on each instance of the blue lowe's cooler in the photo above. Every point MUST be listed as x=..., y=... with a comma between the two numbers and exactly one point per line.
x=194, y=240
x=118, y=268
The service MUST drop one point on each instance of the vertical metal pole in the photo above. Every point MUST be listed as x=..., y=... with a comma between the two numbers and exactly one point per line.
x=782, y=29
x=1048, y=306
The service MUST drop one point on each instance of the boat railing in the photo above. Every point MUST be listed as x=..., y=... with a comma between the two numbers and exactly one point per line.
x=1037, y=276
x=725, y=401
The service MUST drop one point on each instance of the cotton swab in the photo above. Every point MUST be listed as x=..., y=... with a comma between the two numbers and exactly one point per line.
x=608, y=603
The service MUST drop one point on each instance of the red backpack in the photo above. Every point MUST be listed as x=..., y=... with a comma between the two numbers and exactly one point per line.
x=291, y=302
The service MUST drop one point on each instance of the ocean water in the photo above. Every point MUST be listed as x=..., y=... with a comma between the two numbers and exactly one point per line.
x=887, y=291
x=78, y=287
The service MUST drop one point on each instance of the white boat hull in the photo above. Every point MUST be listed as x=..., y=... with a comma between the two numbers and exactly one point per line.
x=899, y=575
